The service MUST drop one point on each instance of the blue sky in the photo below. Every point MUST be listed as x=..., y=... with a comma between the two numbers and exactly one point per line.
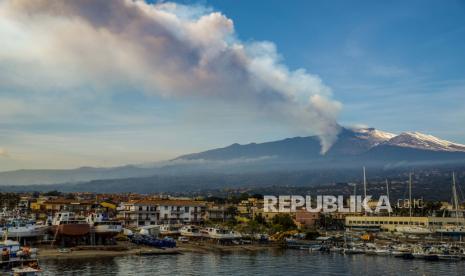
x=394, y=65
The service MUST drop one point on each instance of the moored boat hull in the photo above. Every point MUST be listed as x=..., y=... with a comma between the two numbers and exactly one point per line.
x=72, y=229
x=108, y=230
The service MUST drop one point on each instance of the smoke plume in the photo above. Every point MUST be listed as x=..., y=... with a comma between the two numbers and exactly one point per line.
x=164, y=49
x=3, y=152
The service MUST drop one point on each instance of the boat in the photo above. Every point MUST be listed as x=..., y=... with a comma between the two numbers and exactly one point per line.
x=300, y=244
x=169, y=230
x=425, y=254
x=315, y=248
x=353, y=250
x=414, y=230
x=22, y=228
x=449, y=257
x=401, y=251
x=15, y=259
x=216, y=233
x=336, y=249
x=103, y=226
x=67, y=224
x=190, y=231
x=148, y=230
x=382, y=252
x=404, y=255
x=25, y=271
x=236, y=234
x=451, y=229
x=12, y=247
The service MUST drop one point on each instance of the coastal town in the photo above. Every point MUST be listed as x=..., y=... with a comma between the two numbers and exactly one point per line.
x=36, y=226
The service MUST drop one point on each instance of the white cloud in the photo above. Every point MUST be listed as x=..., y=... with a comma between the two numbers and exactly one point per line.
x=166, y=50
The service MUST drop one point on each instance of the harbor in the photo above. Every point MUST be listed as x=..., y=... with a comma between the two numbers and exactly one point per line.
x=58, y=226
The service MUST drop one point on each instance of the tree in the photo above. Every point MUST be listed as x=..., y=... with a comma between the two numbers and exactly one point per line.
x=53, y=193
x=284, y=222
x=260, y=219
x=231, y=211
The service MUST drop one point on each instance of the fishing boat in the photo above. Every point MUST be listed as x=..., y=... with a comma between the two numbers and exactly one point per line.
x=21, y=228
x=190, y=231
x=103, y=226
x=216, y=233
x=169, y=230
x=15, y=259
x=67, y=224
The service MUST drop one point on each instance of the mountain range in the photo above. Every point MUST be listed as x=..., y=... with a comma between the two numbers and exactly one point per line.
x=354, y=148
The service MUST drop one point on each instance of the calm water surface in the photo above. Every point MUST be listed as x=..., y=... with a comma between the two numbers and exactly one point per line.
x=282, y=262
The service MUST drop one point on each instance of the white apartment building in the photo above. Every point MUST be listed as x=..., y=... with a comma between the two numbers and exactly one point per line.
x=155, y=212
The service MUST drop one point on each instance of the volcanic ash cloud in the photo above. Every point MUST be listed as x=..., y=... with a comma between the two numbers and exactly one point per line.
x=166, y=49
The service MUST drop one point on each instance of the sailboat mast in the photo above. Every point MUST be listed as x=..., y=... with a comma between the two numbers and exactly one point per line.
x=454, y=193
x=364, y=186
x=387, y=194
x=410, y=194
x=364, y=183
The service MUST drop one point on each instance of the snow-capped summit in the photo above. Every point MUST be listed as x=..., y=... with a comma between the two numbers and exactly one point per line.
x=374, y=135
x=424, y=141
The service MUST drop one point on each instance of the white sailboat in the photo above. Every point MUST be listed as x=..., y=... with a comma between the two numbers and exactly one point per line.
x=412, y=229
x=457, y=228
